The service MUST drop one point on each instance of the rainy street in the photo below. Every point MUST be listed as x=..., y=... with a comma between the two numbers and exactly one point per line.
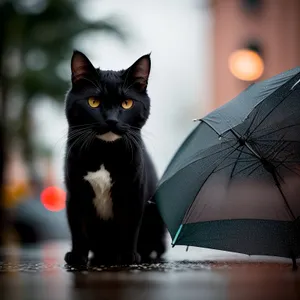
x=39, y=272
x=122, y=120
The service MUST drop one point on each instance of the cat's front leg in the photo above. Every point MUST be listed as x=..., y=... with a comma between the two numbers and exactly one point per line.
x=128, y=225
x=78, y=256
x=127, y=251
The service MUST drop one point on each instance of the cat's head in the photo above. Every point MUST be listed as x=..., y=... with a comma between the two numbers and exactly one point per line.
x=110, y=104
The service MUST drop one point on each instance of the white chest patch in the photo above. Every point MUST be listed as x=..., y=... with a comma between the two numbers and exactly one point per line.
x=101, y=184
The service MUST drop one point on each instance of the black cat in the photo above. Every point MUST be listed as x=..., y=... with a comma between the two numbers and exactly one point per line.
x=109, y=175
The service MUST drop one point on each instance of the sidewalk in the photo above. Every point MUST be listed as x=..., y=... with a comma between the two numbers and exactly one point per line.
x=40, y=273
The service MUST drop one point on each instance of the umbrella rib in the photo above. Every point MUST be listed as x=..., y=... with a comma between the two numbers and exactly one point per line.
x=192, y=162
x=274, y=131
x=246, y=143
x=253, y=170
x=248, y=167
x=209, y=125
x=277, y=183
x=177, y=235
x=253, y=154
x=276, y=179
x=291, y=170
x=232, y=163
x=195, y=158
x=281, y=162
x=210, y=154
x=224, y=167
x=270, y=95
x=247, y=153
x=237, y=159
x=213, y=170
x=259, y=141
x=275, y=149
x=286, y=159
x=280, y=150
x=235, y=164
x=292, y=161
x=271, y=111
x=252, y=121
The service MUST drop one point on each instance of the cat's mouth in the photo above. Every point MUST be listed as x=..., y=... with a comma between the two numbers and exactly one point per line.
x=108, y=136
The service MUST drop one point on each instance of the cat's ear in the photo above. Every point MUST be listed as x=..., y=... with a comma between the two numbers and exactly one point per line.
x=138, y=73
x=81, y=67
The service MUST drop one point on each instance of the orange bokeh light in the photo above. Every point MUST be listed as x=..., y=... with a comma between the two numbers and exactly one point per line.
x=246, y=65
x=53, y=198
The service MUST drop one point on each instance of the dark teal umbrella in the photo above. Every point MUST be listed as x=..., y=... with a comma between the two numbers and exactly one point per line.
x=234, y=184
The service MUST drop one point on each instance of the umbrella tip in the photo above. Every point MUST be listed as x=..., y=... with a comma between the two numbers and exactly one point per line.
x=196, y=120
x=294, y=267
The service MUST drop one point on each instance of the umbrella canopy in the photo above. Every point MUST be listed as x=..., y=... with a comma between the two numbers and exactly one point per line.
x=234, y=184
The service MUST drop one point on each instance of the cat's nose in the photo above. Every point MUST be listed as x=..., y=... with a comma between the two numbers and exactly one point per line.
x=111, y=122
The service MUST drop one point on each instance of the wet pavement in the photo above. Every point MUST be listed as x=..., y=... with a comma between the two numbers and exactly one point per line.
x=39, y=272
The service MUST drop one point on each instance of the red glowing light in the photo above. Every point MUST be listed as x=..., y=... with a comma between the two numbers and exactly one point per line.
x=53, y=198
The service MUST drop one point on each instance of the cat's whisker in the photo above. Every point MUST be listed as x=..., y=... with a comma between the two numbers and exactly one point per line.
x=136, y=141
x=77, y=131
x=137, y=136
x=134, y=127
x=77, y=136
x=96, y=85
x=64, y=130
x=143, y=137
x=131, y=143
x=148, y=135
x=83, y=125
x=92, y=138
x=89, y=138
x=77, y=139
x=69, y=136
x=83, y=142
x=129, y=147
x=128, y=87
x=64, y=137
x=70, y=147
x=145, y=133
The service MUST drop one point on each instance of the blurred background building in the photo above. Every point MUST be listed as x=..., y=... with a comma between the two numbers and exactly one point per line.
x=204, y=52
x=270, y=28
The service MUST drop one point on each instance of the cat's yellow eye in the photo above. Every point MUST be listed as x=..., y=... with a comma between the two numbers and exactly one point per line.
x=126, y=104
x=93, y=102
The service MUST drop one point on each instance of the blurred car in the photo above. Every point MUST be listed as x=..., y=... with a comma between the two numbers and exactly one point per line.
x=32, y=219
x=34, y=223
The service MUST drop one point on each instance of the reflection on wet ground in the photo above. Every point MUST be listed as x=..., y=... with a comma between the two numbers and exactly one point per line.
x=40, y=273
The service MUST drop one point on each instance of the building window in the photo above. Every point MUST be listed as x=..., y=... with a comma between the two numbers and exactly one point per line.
x=251, y=6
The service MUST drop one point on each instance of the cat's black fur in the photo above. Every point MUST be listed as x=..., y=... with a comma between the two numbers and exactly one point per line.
x=136, y=228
